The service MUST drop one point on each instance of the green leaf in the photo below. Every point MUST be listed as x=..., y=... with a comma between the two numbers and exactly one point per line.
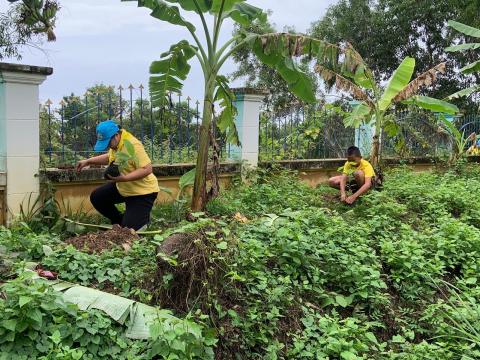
x=191, y=5
x=162, y=11
x=9, y=324
x=398, y=339
x=226, y=121
x=370, y=336
x=464, y=29
x=274, y=56
x=362, y=79
x=47, y=250
x=130, y=148
x=463, y=47
x=464, y=93
x=222, y=246
x=399, y=80
x=348, y=355
x=244, y=14
x=227, y=5
x=471, y=68
x=36, y=315
x=23, y=300
x=343, y=301
x=432, y=104
x=357, y=116
x=56, y=337
x=168, y=73
x=166, y=190
x=188, y=179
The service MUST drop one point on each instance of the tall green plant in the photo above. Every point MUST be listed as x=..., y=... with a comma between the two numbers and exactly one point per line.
x=348, y=72
x=470, y=68
x=168, y=73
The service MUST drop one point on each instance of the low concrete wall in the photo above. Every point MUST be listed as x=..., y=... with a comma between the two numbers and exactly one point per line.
x=73, y=189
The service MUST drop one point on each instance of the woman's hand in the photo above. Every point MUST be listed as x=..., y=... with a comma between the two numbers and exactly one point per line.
x=81, y=164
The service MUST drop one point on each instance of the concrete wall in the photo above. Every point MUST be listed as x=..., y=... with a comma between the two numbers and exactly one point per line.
x=73, y=189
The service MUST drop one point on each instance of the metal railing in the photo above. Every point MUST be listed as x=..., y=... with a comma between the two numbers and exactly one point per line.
x=317, y=132
x=303, y=132
x=169, y=134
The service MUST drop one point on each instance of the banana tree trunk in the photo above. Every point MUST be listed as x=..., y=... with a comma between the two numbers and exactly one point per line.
x=199, y=198
x=375, y=152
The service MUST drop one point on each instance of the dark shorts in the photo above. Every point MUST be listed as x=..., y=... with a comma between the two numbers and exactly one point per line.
x=137, y=208
x=353, y=186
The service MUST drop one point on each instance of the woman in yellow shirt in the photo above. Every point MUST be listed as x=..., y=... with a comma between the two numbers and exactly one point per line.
x=362, y=171
x=135, y=185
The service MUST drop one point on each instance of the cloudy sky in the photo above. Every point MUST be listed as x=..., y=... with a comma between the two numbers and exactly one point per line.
x=113, y=42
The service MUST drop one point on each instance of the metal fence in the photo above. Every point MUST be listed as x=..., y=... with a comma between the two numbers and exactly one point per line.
x=304, y=132
x=317, y=132
x=169, y=134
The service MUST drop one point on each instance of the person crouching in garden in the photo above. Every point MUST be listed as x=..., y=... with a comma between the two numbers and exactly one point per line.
x=131, y=180
x=358, y=175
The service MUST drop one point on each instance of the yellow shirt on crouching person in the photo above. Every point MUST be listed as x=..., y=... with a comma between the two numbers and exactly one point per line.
x=365, y=166
x=148, y=184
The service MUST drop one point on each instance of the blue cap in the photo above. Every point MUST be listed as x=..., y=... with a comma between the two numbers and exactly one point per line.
x=478, y=143
x=105, y=131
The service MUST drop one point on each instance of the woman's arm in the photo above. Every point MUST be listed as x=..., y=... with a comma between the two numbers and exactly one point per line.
x=96, y=160
x=137, y=174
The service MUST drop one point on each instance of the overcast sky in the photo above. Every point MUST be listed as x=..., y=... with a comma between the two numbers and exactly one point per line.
x=113, y=42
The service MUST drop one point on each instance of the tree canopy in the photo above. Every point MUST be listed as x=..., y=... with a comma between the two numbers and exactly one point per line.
x=386, y=31
x=26, y=23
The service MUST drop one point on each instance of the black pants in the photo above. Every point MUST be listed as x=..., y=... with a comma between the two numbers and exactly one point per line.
x=137, y=212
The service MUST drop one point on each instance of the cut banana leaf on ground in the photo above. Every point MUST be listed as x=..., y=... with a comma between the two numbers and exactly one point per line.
x=137, y=317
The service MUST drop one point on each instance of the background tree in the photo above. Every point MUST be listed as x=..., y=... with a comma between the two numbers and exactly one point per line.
x=386, y=31
x=25, y=24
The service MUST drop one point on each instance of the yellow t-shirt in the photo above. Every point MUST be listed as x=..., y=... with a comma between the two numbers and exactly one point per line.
x=473, y=151
x=148, y=184
x=364, y=166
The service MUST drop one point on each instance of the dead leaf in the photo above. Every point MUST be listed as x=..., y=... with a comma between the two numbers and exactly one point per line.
x=240, y=218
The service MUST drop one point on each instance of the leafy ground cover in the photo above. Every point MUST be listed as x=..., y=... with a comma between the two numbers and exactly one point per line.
x=274, y=270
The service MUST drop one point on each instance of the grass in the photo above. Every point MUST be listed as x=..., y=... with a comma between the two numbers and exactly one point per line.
x=287, y=272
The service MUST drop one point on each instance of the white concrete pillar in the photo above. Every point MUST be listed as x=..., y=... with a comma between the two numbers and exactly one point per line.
x=248, y=103
x=19, y=132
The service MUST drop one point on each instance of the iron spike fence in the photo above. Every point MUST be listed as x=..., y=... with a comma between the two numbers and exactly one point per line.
x=169, y=134
x=303, y=132
x=318, y=132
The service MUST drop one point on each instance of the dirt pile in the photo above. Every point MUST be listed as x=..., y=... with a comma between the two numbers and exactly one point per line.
x=187, y=269
x=98, y=242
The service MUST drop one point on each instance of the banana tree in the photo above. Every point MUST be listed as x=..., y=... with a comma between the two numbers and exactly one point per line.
x=168, y=73
x=470, y=68
x=348, y=72
x=38, y=16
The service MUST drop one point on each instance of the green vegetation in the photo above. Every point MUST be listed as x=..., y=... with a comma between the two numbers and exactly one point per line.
x=288, y=273
x=24, y=22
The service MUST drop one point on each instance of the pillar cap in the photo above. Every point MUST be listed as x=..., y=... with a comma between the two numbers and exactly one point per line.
x=28, y=69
